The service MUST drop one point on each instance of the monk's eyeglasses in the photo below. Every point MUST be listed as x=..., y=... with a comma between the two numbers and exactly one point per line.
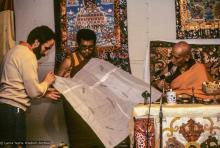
x=82, y=47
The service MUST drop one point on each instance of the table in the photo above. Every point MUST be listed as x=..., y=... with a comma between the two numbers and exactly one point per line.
x=184, y=125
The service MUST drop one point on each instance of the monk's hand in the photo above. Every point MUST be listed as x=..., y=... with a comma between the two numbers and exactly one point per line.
x=161, y=84
x=52, y=94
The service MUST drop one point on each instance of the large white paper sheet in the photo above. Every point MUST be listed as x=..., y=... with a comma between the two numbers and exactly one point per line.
x=104, y=96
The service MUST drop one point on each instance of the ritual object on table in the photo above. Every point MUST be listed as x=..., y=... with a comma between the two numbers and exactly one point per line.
x=211, y=87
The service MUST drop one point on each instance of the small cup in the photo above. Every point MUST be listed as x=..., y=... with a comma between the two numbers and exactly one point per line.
x=171, y=97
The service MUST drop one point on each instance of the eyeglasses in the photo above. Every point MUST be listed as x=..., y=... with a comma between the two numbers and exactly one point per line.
x=82, y=47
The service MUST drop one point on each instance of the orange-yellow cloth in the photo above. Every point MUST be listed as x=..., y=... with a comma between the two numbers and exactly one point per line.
x=193, y=77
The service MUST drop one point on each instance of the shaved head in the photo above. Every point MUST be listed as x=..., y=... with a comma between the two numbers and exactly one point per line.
x=182, y=48
x=181, y=53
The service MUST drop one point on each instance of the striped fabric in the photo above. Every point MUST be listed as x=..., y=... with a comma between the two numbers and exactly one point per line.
x=7, y=30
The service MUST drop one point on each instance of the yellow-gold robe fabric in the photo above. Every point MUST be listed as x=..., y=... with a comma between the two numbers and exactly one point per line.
x=7, y=39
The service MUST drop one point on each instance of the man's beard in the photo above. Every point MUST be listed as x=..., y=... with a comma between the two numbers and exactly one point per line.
x=37, y=52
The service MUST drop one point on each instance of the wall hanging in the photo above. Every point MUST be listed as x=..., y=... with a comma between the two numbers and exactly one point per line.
x=196, y=19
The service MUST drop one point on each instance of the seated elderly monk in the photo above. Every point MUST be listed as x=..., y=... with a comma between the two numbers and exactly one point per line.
x=185, y=75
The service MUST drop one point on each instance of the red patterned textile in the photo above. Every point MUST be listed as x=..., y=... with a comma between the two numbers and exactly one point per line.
x=142, y=127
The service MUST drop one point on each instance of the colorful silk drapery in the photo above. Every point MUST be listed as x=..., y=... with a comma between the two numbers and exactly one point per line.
x=184, y=126
x=7, y=39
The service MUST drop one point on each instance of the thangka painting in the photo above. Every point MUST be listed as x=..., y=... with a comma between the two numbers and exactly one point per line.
x=197, y=19
x=107, y=18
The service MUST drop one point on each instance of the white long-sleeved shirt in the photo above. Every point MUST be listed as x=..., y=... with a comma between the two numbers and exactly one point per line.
x=19, y=79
